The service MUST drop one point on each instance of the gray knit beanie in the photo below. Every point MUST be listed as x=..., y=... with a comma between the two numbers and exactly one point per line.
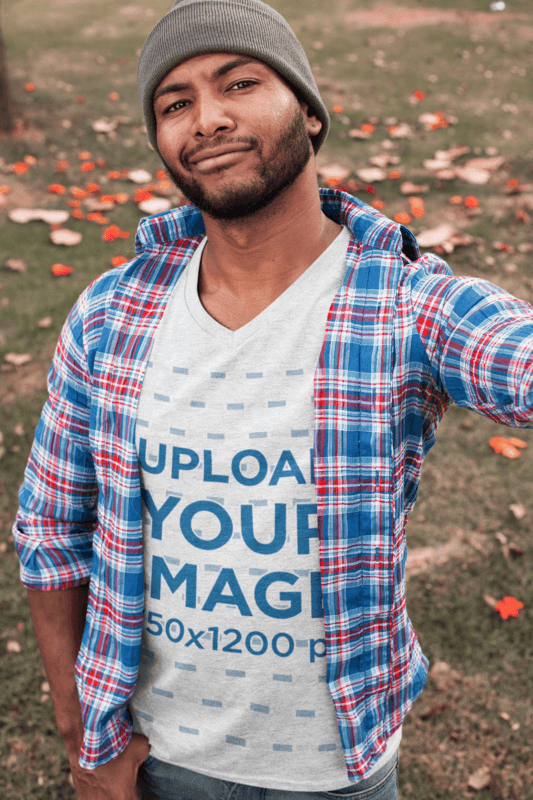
x=247, y=27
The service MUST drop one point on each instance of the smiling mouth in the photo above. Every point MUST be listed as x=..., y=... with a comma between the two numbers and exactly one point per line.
x=215, y=162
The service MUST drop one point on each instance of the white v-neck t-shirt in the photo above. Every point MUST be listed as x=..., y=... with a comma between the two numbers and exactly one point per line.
x=232, y=682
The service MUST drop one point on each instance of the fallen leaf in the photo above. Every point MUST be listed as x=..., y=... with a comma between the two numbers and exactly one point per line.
x=371, y=174
x=445, y=174
x=79, y=100
x=379, y=205
x=93, y=188
x=518, y=510
x=121, y=198
x=435, y=164
x=114, y=96
x=473, y=175
x=87, y=166
x=335, y=171
x=491, y=601
x=456, y=200
x=78, y=192
x=16, y=265
x=417, y=207
x=5, y=189
x=13, y=646
x=509, y=607
x=408, y=187
x=117, y=261
x=357, y=133
x=66, y=237
x=471, y=202
x=139, y=195
x=62, y=166
x=56, y=188
x=17, y=359
x=501, y=445
x=401, y=131
x=434, y=236
x=77, y=213
x=161, y=174
x=516, y=442
x=19, y=168
x=479, y=779
x=487, y=164
x=156, y=205
x=51, y=217
x=29, y=87
x=95, y=204
x=45, y=322
x=402, y=218
x=31, y=160
x=59, y=270
x=114, y=232
x=96, y=216
x=139, y=176
x=419, y=95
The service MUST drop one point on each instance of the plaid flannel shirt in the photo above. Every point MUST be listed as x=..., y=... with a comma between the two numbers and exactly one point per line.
x=403, y=339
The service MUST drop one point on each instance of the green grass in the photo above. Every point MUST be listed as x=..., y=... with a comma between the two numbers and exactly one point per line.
x=88, y=49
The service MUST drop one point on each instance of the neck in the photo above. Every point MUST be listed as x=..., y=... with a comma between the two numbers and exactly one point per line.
x=269, y=250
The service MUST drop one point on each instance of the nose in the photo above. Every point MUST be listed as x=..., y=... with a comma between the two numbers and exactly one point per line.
x=212, y=117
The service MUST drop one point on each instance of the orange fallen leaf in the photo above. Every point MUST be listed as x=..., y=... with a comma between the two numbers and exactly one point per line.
x=502, y=445
x=101, y=162
x=370, y=189
x=80, y=99
x=58, y=270
x=114, y=232
x=456, y=199
x=417, y=207
x=121, y=198
x=107, y=198
x=114, y=174
x=62, y=165
x=509, y=607
x=379, y=205
x=471, y=202
x=338, y=109
x=366, y=127
x=114, y=96
x=56, y=188
x=5, y=189
x=93, y=188
x=76, y=191
x=85, y=155
x=74, y=203
x=394, y=175
x=402, y=218
x=516, y=442
x=161, y=174
x=117, y=261
x=29, y=87
x=31, y=160
x=77, y=213
x=19, y=168
x=143, y=194
x=419, y=95
x=96, y=216
x=55, y=226
x=87, y=166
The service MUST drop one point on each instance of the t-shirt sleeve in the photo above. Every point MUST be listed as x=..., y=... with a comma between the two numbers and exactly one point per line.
x=479, y=341
x=58, y=498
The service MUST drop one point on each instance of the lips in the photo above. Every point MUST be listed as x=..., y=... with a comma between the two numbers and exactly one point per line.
x=219, y=151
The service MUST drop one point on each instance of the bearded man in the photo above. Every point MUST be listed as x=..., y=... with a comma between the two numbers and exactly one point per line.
x=212, y=522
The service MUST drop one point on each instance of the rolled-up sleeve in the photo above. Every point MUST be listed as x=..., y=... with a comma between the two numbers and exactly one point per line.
x=479, y=340
x=58, y=498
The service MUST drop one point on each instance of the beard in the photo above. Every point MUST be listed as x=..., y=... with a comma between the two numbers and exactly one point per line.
x=287, y=159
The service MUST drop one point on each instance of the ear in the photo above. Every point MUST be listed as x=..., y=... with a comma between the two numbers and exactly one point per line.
x=314, y=125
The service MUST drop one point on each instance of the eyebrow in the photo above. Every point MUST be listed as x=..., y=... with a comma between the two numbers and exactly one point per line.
x=227, y=67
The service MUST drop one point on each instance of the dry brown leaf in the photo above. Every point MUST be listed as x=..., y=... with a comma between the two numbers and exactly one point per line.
x=103, y=126
x=412, y=188
x=16, y=265
x=518, y=510
x=436, y=236
x=66, y=237
x=479, y=779
x=383, y=159
x=94, y=204
x=45, y=322
x=156, y=205
x=335, y=171
x=357, y=133
x=491, y=601
x=139, y=176
x=13, y=646
x=17, y=359
x=454, y=152
x=473, y=175
x=445, y=174
x=51, y=217
x=371, y=174
x=488, y=164
x=401, y=131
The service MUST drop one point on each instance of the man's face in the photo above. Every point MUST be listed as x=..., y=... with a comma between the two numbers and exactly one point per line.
x=231, y=133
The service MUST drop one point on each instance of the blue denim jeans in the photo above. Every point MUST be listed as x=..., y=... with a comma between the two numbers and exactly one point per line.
x=161, y=781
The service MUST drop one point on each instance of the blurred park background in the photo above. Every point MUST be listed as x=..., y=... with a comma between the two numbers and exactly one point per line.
x=431, y=104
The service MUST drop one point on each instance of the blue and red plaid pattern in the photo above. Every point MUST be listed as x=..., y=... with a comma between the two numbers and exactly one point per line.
x=404, y=338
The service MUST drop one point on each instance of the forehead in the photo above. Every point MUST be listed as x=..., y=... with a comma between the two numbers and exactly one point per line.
x=206, y=65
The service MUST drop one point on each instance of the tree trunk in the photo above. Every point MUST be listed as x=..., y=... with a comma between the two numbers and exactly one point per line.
x=6, y=110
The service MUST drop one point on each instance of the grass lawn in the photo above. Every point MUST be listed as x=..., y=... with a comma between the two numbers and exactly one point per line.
x=473, y=66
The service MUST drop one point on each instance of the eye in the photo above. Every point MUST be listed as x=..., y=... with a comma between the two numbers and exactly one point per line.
x=240, y=83
x=173, y=107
